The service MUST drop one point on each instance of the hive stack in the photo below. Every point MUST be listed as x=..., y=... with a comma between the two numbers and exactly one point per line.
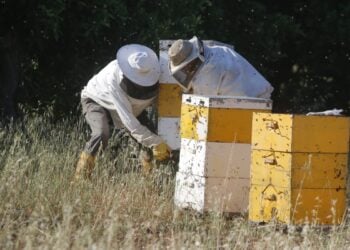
x=215, y=151
x=299, y=168
x=169, y=100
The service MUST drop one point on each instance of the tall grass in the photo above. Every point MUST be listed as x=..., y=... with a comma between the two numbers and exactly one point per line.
x=120, y=208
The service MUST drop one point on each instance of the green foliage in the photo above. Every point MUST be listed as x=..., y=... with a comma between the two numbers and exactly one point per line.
x=301, y=47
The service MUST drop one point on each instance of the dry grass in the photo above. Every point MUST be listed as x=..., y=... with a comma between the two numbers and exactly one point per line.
x=120, y=208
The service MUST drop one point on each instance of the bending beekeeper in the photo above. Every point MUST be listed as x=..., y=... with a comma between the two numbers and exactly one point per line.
x=120, y=92
x=215, y=70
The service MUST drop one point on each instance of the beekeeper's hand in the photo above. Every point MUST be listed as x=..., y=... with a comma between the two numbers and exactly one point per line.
x=161, y=151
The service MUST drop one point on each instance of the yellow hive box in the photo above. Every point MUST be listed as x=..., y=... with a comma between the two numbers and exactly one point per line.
x=220, y=118
x=214, y=164
x=301, y=133
x=298, y=168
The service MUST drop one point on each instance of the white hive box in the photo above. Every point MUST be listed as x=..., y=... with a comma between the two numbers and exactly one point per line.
x=169, y=99
x=211, y=194
x=214, y=167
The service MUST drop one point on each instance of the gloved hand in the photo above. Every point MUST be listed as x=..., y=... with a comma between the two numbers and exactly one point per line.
x=161, y=151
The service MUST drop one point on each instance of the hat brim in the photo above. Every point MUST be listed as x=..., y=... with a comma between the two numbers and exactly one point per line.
x=194, y=54
x=142, y=78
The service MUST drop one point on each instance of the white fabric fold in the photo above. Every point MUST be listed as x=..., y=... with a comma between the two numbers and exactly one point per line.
x=225, y=72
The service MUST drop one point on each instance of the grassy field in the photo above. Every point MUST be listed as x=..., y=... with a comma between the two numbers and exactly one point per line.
x=120, y=208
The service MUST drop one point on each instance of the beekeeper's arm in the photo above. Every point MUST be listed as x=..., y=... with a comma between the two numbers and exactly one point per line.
x=143, y=135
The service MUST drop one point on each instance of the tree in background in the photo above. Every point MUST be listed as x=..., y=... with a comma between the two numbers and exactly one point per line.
x=302, y=47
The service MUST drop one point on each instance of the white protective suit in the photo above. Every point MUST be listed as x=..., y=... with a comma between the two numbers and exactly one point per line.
x=104, y=88
x=225, y=72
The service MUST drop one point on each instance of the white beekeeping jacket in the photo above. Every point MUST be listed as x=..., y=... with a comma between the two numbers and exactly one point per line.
x=225, y=72
x=104, y=88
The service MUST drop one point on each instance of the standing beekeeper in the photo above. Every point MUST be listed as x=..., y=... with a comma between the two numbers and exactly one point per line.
x=215, y=70
x=120, y=92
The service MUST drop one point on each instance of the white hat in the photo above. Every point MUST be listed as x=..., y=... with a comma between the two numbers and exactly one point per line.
x=139, y=64
x=181, y=52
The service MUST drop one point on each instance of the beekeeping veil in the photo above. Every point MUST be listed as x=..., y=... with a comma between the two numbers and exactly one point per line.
x=185, y=58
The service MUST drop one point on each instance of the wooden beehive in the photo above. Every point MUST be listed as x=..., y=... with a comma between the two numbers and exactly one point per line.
x=169, y=100
x=215, y=150
x=299, y=168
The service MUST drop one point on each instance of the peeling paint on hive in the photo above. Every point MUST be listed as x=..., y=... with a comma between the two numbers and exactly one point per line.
x=215, y=152
x=307, y=158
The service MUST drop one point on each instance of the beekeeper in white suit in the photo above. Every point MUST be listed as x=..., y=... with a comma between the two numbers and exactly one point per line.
x=121, y=91
x=215, y=70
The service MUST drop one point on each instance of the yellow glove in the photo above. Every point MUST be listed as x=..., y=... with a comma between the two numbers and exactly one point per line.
x=161, y=151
